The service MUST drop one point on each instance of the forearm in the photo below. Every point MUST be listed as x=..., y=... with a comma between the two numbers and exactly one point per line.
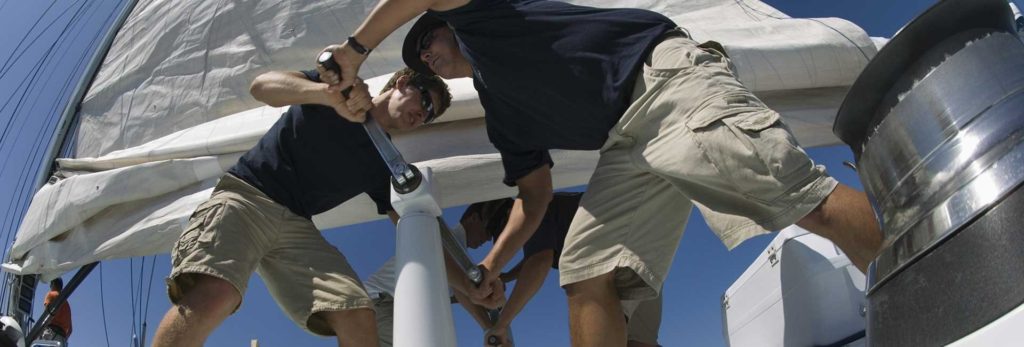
x=526, y=215
x=511, y=275
x=388, y=16
x=457, y=278
x=531, y=278
x=280, y=88
x=478, y=313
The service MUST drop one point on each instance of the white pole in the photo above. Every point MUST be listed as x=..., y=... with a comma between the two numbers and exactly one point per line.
x=423, y=313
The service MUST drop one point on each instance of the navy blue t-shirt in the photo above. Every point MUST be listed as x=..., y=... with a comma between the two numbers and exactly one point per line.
x=555, y=225
x=551, y=75
x=312, y=160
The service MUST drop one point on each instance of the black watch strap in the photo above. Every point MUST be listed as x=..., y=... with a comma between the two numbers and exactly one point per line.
x=358, y=47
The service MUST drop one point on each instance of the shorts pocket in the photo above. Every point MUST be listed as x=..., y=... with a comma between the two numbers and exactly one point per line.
x=199, y=229
x=755, y=154
x=779, y=164
x=755, y=122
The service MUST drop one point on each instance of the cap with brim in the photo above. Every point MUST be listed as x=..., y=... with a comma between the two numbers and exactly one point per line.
x=410, y=49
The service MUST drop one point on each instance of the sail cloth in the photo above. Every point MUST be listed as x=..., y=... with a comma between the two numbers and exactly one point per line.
x=169, y=111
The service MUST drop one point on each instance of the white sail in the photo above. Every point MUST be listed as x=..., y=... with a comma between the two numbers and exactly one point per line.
x=169, y=111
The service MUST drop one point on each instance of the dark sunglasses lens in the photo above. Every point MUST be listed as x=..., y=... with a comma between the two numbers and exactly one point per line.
x=425, y=40
x=428, y=105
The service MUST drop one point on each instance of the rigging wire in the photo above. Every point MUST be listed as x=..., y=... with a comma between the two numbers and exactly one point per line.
x=103, y=307
x=7, y=67
x=17, y=209
x=32, y=77
x=142, y=274
x=16, y=47
x=131, y=292
x=74, y=18
x=61, y=95
x=149, y=295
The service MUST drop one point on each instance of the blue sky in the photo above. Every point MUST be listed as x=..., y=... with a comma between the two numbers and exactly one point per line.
x=702, y=269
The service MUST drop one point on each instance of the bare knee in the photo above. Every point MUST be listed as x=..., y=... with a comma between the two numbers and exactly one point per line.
x=211, y=295
x=355, y=327
x=600, y=285
x=348, y=317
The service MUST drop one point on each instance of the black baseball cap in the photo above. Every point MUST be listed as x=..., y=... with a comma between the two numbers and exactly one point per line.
x=411, y=49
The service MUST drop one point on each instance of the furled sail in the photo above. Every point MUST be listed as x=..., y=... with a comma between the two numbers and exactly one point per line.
x=169, y=112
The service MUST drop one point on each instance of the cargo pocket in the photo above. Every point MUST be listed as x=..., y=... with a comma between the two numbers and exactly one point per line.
x=780, y=163
x=198, y=231
x=738, y=104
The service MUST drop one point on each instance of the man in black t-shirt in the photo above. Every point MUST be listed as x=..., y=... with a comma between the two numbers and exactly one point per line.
x=541, y=252
x=675, y=127
x=258, y=216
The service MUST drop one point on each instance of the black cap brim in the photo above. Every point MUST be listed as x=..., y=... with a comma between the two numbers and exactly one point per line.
x=410, y=48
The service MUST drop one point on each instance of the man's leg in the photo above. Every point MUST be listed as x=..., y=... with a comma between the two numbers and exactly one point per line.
x=315, y=286
x=846, y=218
x=354, y=328
x=193, y=318
x=595, y=313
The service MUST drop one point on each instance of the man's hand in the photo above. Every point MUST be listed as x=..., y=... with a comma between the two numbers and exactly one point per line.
x=351, y=102
x=491, y=291
x=348, y=61
x=500, y=335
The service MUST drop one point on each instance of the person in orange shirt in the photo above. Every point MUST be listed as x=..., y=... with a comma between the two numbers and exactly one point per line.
x=59, y=328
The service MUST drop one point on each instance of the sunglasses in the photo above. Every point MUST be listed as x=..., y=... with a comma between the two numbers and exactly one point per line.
x=425, y=41
x=428, y=104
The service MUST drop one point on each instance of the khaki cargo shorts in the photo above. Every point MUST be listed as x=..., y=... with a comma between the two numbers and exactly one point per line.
x=692, y=135
x=240, y=230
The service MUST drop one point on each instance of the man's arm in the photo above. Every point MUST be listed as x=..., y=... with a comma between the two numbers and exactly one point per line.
x=479, y=313
x=511, y=275
x=535, y=192
x=382, y=21
x=531, y=278
x=283, y=88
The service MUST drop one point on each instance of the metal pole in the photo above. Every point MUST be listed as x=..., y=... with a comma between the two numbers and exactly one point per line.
x=423, y=314
x=61, y=298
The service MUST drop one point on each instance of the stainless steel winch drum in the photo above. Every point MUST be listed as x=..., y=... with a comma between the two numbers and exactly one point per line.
x=936, y=123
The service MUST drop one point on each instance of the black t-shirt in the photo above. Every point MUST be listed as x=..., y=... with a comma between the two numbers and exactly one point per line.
x=551, y=75
x=552, y=230
x=312, y=160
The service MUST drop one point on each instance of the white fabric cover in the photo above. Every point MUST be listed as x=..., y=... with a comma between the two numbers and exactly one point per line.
x=174, y=89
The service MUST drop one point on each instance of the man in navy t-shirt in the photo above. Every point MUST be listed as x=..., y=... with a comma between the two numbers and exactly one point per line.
x=258, y=216
x=540, y=253
x=675, y=127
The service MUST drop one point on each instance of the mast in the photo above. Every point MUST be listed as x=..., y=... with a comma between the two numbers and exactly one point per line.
x=19, y=301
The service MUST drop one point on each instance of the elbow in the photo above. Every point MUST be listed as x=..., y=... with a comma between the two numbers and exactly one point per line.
x=259, y=89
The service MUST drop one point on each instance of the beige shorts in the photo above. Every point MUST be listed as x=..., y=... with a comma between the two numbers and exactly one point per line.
x=240, y=230
x=645, y=321
x=384, y=307
x=692, y=135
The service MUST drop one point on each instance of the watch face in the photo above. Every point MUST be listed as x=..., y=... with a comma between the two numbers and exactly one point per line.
x=324, y=57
